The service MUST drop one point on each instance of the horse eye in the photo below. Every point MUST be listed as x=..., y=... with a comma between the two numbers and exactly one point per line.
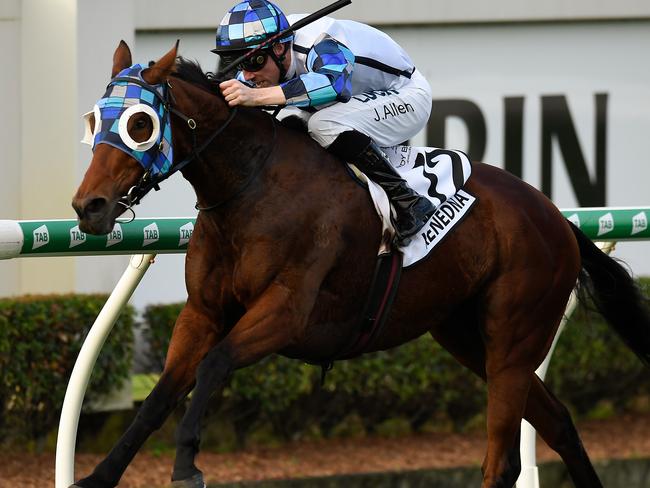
x=140, y=128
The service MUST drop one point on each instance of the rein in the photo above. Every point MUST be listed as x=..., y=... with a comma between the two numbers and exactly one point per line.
x=147, y=182
x=250, y=178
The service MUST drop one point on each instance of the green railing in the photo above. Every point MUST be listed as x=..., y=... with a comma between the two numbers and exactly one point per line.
x=611, y=224
x=64, y=238
x=171, y=235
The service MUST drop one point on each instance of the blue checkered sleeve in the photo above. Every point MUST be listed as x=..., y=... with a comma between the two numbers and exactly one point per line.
x=329, y=77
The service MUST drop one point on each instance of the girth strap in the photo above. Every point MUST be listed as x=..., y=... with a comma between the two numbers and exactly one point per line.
x=379, y=301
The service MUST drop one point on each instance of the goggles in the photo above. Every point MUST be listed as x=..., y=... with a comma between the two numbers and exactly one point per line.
x=253, y=63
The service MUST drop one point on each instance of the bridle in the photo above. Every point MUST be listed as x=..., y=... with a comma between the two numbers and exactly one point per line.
x=148, y=181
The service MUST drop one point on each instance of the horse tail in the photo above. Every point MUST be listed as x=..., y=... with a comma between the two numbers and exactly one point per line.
x=615, y=295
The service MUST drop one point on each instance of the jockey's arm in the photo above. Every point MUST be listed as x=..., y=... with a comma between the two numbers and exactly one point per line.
x=328, y=79
x=237, y=93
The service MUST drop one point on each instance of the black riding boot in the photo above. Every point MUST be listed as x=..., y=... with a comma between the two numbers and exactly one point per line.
x=412, y=210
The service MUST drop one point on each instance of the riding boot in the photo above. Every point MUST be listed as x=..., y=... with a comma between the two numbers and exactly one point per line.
x=411, y=209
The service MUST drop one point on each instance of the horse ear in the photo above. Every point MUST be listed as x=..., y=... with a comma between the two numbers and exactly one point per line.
x=161, y=69
x=121, y=58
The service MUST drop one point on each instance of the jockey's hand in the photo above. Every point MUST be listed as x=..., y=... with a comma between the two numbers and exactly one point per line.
x=236, y=93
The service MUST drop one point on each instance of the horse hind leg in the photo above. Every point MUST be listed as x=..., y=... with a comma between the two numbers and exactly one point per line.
x=504, y=349
x=462, y=338
x=508, y=386
x=553, y=422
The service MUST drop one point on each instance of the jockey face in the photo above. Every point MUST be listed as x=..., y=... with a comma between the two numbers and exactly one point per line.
x=269, y=74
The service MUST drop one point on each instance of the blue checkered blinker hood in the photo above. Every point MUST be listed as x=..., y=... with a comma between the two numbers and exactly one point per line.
x=126, y=95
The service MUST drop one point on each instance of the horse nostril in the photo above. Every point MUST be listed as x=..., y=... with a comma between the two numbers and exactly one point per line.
x=96, y=205
x=78, y=210
x=86, y=208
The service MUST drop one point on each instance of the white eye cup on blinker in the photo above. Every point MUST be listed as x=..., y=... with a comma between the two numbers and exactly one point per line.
x=91, y=129
x=124, y=121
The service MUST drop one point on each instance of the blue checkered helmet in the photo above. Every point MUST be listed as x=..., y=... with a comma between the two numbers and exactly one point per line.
x=248, y=24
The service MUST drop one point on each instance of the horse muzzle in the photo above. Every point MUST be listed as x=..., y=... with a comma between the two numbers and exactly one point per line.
x=96, y=214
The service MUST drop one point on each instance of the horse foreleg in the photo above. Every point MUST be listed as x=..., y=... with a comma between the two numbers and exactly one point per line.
x=191, y=340
x=266, y=328
x=210, y=377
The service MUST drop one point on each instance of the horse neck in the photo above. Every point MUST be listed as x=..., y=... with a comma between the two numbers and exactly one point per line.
x=225, y=168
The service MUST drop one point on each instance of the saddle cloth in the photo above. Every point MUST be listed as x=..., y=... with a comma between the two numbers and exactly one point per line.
x=437, y=174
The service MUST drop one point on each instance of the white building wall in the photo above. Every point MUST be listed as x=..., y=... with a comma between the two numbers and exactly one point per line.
x=56, y=59
x=171, y=14
x=10, y=120
x=48, y=81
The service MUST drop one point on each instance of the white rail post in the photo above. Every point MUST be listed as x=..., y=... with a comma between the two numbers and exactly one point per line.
x=74, y=395
x=529, y=477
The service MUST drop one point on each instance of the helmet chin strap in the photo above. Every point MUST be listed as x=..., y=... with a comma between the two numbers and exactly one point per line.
x=279, y=60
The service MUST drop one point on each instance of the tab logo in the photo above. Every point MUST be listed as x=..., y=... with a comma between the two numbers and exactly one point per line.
x=151, y=234
x=639, y=223
x=115, y=236
x=185, y=232
x=41, y=237
x=605, y=224
x=76, y=237
x=574, y=219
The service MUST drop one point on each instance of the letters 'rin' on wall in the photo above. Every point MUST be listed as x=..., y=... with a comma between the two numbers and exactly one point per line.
x=556, y=126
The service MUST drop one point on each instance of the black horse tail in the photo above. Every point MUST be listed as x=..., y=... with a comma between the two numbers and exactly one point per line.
x=615, y=295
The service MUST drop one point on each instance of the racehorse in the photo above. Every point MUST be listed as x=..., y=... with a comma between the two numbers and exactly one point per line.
x=283, y=252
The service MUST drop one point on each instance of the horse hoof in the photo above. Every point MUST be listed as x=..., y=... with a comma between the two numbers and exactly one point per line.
x=195, y=481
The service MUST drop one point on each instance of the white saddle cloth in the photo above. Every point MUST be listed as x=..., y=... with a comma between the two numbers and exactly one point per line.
x=437, y=174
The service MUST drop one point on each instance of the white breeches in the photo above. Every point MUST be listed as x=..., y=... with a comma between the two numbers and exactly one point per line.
x=389, y=117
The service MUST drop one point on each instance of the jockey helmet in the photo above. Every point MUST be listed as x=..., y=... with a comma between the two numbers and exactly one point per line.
x=248, y=24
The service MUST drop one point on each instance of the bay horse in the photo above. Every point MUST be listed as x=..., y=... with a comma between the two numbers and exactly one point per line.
x=283, y=252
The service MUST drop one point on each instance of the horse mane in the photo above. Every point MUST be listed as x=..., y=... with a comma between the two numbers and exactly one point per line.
x=191, y=71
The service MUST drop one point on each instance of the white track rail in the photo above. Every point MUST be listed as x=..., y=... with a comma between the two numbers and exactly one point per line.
x=74, y=395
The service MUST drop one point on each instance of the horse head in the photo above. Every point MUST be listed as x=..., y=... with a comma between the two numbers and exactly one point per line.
x=130, y=132
x=135, y=148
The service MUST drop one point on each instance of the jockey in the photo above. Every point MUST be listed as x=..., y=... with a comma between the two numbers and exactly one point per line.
x=355, y=87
